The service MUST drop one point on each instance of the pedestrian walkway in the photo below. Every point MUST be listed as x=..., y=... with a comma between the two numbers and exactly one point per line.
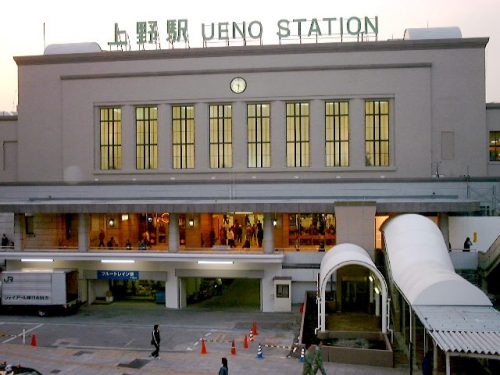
x=120, y=362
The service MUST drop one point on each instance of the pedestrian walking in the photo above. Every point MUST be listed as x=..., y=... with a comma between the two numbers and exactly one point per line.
x=224, y=370
x=155, y=341
x=307, y=369
x=318, y=360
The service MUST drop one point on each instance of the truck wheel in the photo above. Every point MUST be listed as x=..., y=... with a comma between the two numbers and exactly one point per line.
x=42, y=313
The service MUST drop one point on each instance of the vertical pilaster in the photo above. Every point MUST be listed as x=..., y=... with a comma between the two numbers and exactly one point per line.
x=173, y=233
x=165, y=137
x=18, y=232
x=83, y=232
x=268, y=241
x=356, y=133
x=128, y=138
x=317, y=134
x=239, y=136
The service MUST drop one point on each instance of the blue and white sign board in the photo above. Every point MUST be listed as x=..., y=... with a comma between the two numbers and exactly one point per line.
x=117, y=275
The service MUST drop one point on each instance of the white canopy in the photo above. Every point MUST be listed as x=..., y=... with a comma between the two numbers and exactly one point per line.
x=343, y=255
x=421, y=266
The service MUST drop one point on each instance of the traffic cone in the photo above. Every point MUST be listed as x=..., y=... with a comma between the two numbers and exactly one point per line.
x=302, y=355
x=245, y=343
x=254, y=329
x=250, y=336
x=203, y=347
x=259, y=353
x=33, y=340
x=233, y=349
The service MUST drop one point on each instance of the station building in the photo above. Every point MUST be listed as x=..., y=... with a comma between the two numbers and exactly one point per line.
x=149, y=158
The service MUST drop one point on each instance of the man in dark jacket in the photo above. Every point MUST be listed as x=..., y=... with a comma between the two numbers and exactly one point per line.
x=155, y=340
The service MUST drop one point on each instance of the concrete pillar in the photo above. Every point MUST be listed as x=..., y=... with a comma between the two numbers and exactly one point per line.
x=356, y=134
x=173, y=233
x=317, y=133
x=172, y=291
x=83, y=232
x=444, y=226
x=268, y=241
x=164, y=137
x=201, y=136
x=361, y=234
x=278, y=134
x=18, y=232
x=239, y=136
x=129, y=138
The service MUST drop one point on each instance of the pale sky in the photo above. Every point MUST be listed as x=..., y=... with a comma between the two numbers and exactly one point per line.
x=21, y=24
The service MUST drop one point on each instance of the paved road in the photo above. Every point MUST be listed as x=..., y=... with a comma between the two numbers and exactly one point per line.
x=114, y=339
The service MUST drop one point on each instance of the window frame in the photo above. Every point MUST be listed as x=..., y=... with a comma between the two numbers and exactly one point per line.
x=186, y=129
x=220, y=136
x=495, y=149
x=377, y=143
x=298, y=135
x=149, y=148
x=258, y=137
x=113, y=150
x=339, y=137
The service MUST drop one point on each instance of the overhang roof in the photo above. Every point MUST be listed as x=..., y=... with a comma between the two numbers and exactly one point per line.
x=463, y=329
x=421, y=266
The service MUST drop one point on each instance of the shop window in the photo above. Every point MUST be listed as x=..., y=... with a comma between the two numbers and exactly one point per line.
x=494, y=146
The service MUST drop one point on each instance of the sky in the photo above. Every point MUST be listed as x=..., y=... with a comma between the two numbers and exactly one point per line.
x=22, y=24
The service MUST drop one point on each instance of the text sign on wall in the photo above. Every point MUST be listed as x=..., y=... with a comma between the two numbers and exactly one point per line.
x=117, y=275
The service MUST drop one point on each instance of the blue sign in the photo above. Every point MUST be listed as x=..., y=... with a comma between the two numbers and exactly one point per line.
x=118, y=275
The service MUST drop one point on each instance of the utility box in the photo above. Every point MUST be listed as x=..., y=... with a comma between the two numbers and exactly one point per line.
x=282, y=294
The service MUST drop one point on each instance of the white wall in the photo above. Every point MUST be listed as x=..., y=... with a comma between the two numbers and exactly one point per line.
x=486, y=227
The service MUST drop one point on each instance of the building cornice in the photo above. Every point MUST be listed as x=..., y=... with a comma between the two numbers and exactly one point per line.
x=389, y=45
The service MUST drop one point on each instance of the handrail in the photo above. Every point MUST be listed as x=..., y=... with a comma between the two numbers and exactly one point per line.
x=488, y=258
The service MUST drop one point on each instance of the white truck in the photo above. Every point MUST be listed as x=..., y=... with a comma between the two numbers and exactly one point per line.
x=40, y=291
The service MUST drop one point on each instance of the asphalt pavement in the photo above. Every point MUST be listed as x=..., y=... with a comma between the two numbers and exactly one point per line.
x=115, y=339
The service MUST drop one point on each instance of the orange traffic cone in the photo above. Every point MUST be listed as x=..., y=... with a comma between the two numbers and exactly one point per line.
x=33, y=340
x=233, y=349
x=245, y=343
x=254, y=329
x=203, y=347
x=250, y=336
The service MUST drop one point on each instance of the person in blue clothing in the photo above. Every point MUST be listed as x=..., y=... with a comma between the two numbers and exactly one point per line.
x=427, y=364
x=224, y=369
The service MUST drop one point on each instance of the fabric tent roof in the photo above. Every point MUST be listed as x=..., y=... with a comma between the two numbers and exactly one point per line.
x=421, y=266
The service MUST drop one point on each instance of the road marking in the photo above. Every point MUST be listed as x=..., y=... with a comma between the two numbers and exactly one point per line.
x=21, y=334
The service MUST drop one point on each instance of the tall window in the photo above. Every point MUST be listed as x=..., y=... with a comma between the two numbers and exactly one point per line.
x=259, y=138
x=221, y=147
x=337, y=133
x=183, y=136
x=111, y=138
x=297, y=134
x=377, y=132
x=495, y=146
x=146, y=122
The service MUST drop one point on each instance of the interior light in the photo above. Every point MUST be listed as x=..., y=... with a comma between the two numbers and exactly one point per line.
x=120, y=261
x=275, y=222
x=124, y=217
x=191, y=222
x=41, y=260
x=215, y=262
x=377, y=291
x=370, y=278
x=111, y=222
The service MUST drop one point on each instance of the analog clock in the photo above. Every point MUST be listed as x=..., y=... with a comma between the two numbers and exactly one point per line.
x=238, y=85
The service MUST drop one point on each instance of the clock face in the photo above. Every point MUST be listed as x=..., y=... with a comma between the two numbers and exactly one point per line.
x=238, y=85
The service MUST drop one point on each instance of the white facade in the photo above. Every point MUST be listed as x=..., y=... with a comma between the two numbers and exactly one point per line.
x=438, y=159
